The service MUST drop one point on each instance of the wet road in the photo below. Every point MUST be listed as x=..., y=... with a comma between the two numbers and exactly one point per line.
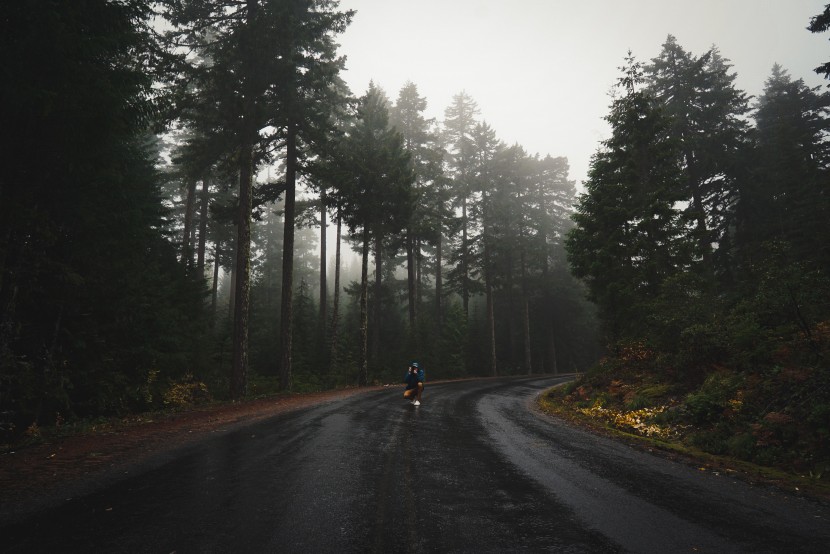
x=473, y=469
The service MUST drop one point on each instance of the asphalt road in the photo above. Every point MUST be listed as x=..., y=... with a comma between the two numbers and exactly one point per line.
x=473, y=469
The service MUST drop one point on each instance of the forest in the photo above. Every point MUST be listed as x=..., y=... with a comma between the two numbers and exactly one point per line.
x=702, y=238
x=194, y=207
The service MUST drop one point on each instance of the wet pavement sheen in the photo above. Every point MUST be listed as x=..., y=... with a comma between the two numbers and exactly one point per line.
x=473, y=469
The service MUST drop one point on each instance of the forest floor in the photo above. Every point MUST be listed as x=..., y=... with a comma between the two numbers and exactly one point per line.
x=55, y=461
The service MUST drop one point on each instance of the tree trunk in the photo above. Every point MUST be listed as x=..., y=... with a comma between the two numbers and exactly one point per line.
x=323, y=268
x=488, y=289
x=554, y=367
x=525, y=311
x=214, y=287
x=491, y=322
x=439, y=282
x=465, y=295
x=363, y=378
x=335, y=306
x=376, y=306
x=410, y=278
x=239, y=370
x=9, y=291
x=418, y=278
x=705, y=243
x=526, y=332
x=287, y=316
x=5, y=246
x=702, y=230
x=15, y=254
x=239, y=366
x=189, y=208
x=526, y=317
x=203, y=219
x=232, y=295
x=549, y=358
x=510, y=310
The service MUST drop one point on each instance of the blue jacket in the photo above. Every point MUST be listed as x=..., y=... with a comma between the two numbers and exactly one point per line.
x=412, y=379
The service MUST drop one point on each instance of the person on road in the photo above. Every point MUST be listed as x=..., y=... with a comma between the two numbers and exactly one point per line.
x=414, y=383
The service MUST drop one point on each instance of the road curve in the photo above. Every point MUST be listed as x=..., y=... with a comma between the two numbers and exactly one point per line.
x=473, y=469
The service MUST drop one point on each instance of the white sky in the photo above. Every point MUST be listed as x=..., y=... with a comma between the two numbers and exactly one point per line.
x=541, y=70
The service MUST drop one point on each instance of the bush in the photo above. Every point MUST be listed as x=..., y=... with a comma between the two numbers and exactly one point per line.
x=656, y=391
x=187, y=392
x=638, y=402
x=741, y=446
x=709, y=403
x=263, y=385
x=749, y=344
x=715, y=441
x=701, y=345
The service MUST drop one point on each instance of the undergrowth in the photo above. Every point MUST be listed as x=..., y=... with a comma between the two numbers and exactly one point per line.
x=775, y=417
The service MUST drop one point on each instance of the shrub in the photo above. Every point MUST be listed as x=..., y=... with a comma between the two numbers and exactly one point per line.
x=741, y=446
x=263, y=385
x=569, y=387
x=712, y=441
x=638, y=402
x=187, y=392
x=709, y=402
x=656, y=391
x=701, y=345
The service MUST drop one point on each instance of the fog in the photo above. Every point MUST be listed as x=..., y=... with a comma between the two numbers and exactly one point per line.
x=541, y=70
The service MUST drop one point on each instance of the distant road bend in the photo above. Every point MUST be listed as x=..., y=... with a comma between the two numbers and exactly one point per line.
x=473, y=469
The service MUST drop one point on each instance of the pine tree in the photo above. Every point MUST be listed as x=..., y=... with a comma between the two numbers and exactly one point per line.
x=374, y=192
x=819, y=24
x=551, y=199
x=92, y=299
x=233, y=83
x=303, y=97
x=430, y=206
x=407, y=118
x=459, y=122
x=786, y=199
x=486, y=209
x=629, y=236
x=270, y=63
x=707, y=122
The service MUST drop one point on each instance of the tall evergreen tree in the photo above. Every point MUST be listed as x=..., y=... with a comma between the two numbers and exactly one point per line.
x=629, y=235
x=819, y=24
x=304, y=96
x=551, y=199
x=707, y=122
x=92, y=299
x=407, y=117
x=271, y=65
x=787, y=198
x=459, y=123
x=374, y=192
x=429, y=205
x=234, y=83
x=488, y=209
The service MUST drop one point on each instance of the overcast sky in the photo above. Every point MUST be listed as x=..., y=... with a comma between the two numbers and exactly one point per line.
x=541, y=70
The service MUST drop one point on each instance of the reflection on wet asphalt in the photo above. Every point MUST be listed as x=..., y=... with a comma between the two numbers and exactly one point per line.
x=473, y=469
